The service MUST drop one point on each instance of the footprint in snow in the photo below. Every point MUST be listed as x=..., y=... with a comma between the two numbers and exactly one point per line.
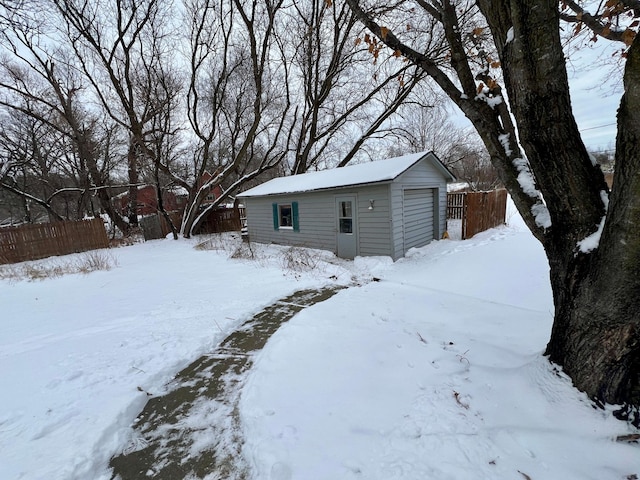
x=280, y=471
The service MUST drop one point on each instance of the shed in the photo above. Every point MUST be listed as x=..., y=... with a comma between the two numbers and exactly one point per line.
x=384, y=207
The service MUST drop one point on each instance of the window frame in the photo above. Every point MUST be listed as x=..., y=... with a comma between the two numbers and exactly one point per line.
x=282, y=217
x=343, y=217
x=277, y=216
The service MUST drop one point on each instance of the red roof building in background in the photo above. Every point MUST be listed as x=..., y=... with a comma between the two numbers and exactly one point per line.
x=148, y=201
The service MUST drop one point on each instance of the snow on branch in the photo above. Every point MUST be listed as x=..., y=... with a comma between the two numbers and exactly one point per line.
x=504, y=140
x=528, y=185
x=541, y=214
x=510, y=36
x=591, y=242
x=525, y=177
x=491, y=100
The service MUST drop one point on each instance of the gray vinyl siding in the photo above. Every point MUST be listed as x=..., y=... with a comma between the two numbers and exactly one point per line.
x=422, y=175
x=374, y=226
x=380, y=231
x=397, y=229
x=316, y=219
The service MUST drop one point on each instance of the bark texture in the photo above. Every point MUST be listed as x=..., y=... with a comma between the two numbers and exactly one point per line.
x=596, y=331
x=595, y=337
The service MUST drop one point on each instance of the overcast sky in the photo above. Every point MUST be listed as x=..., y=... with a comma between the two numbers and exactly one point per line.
x=595, y=77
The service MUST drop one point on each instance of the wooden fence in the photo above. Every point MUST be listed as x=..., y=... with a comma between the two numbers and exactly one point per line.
x=32, y=242
x=222, y=220
x=479, y=211
x=218, y=220
x=156, y=226
x=456, y=205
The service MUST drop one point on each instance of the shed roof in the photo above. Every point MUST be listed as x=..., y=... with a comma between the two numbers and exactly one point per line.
x=361, y=174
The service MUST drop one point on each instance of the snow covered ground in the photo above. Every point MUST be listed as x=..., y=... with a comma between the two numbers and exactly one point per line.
x=435, y=371
x=78, y=353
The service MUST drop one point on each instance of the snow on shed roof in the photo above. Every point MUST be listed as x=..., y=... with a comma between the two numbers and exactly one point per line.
x=363, y=173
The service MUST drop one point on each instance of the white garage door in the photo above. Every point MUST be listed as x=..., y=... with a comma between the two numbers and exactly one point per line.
x=418, y=217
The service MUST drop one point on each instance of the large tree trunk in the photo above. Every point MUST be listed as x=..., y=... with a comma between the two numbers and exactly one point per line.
x=192, y=211
x=132, y=172
x=102, y=193
x=596, y=337
x=596, y=331
x=596, y=334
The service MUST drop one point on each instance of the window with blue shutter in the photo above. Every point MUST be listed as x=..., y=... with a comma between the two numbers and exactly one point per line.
x=285, y=216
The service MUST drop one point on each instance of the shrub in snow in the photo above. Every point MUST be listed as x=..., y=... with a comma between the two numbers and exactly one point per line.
x=299, y=259
x=39, y=270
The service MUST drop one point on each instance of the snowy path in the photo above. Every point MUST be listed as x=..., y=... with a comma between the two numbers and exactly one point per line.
x=194, y=430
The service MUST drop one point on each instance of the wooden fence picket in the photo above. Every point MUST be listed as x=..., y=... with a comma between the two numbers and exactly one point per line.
x=32, y=242
x=479, y=211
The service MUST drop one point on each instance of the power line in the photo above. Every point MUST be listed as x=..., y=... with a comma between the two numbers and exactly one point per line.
x=599, y=126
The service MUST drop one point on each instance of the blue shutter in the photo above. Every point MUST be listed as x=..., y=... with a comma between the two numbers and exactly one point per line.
x=294, y=213
x=276, y=222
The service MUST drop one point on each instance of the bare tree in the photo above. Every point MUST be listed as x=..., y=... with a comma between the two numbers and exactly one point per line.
x=119, y=46
x=474, y=168
x=250, y=85
x=418, y=129
x=341, y=90
x=238, y=98
x=37, y=81
x=589, y=236
x=29, y=152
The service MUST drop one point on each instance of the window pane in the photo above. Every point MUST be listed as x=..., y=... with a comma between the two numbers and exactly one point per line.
x=346, y=225
x=345, y=209
x=286, y=219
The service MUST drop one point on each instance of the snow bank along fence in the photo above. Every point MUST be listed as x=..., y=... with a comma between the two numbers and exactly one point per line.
x=32, y=242
x=478, y=211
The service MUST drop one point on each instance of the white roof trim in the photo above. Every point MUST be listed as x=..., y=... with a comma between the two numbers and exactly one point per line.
x=361, y=174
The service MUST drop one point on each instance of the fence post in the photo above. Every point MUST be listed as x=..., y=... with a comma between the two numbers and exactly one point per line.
x=463, y=235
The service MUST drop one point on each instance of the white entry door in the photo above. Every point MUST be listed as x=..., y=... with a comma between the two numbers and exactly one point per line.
x=347, y=228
